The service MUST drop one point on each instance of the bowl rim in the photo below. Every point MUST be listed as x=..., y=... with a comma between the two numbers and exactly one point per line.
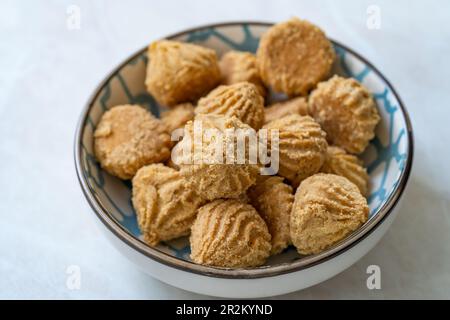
x=260, y=272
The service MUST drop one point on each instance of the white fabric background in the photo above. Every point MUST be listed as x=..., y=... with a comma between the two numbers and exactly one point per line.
x=47, y=73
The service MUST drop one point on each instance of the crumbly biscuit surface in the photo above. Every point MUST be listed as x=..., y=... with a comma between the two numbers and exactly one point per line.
x=239, y=66
x=127, y=138
x=164, y=206
x=278, y=110
x=326, y=209
x=178, y=116
x=241, y=100
x=180, y=72
x=347, y=165
x=273, y=199
x=230, y=234
x=212, y=179
x=302, y=146
x=346, y=111
x=293, y=56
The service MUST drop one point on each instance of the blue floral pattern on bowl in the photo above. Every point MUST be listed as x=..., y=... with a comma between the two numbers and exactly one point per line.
x=385, y=157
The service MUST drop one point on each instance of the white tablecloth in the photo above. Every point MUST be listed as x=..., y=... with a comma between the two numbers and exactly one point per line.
x=47, y=71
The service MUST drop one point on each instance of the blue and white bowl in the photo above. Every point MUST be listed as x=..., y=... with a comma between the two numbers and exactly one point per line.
x=388, y=158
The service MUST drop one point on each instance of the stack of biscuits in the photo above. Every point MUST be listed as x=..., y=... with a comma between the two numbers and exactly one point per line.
x=237, y=216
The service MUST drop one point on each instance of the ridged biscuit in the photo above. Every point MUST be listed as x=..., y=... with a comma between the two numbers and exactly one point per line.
x=278, y=110
x=293, y=56
x=347, y=165
x=239, y=66
x=241, y=100
x=326, y=209
x=302, y=146
x=346, y=111
x=165, y=208
x=229, y=234
x=180, y=72
x=129, y=137
x=273, y=199
x=213, y=179
x=178, y=116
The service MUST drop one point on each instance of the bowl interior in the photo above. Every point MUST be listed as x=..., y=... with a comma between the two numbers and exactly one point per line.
x=385, y=157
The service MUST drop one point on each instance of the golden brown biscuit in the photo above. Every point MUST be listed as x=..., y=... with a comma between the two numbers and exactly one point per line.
x=165, y=208
x=326, y=209
x=273, y=199
x=127, y=138
x=180, y=72
x=347, y=165
x=230, y=234
x=278, y=110
x=346, y=111
x=241, y=100
x=211, y=178
x=178, y=116
x=239, y=66
x=293, y=56
x=302, y=146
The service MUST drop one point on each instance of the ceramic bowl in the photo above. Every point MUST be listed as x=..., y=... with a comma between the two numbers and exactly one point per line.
x=388, y=159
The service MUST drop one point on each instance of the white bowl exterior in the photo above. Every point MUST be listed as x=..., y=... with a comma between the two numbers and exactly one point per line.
x=252, y=288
